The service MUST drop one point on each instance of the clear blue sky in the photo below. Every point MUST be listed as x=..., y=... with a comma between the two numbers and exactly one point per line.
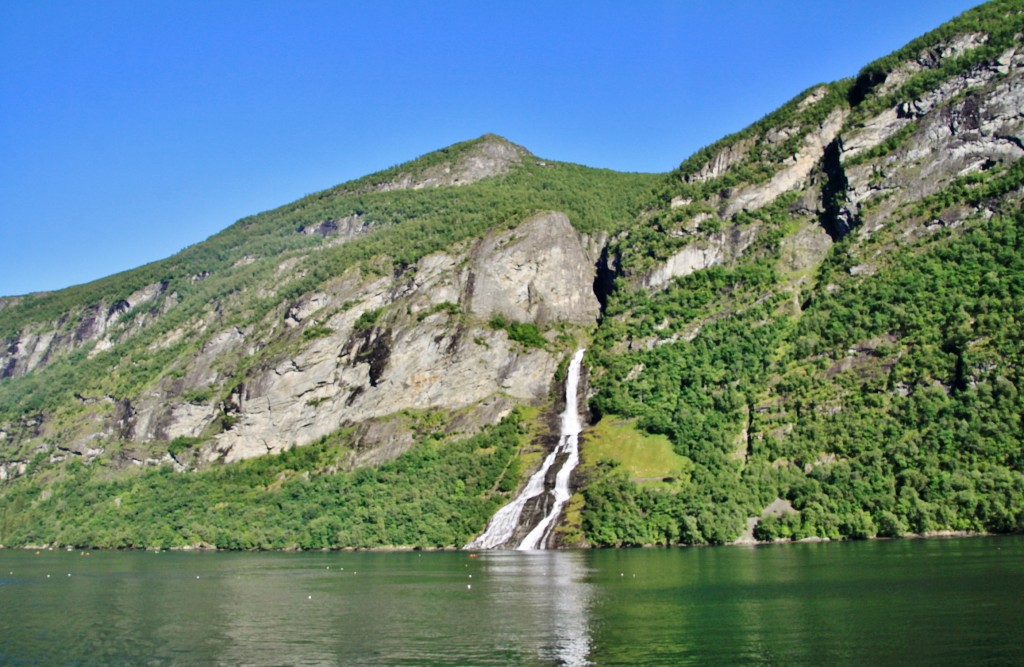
x=129, y=130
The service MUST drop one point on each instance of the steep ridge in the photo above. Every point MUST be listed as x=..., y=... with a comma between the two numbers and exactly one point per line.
x=809, y=329
x=817, y=314
x=33, y=326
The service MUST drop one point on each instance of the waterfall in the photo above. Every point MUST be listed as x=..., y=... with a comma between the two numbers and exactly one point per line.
x=505, y=521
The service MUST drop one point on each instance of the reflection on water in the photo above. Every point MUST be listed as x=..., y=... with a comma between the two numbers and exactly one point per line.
x=902, y=602
x=498, y=608
x=549, y=593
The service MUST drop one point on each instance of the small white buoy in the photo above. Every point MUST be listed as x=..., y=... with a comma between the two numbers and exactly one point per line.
x=69, y=574
x=310, y=597
x=47, y=576
x=197, y=576
x=469, y=585
x=470, y=576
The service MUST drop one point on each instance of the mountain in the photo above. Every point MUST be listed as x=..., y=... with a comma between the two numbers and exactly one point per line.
x=809, y=329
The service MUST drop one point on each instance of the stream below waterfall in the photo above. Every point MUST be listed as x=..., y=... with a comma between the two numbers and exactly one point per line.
x=529, y=519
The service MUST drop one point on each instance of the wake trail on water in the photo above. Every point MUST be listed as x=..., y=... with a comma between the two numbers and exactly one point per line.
x=506, y=520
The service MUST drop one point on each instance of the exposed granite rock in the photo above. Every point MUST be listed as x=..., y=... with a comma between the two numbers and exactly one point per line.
x=37, y=346
x=429, y=347
x=804, y=249
x=931, y=58
x=722, y=161
x=872, y=133
x=349, y=227
x=713, y=250
x=792, y=174
x=958, y=132
x=12, y=469
x=534, y=273
x=970, y=122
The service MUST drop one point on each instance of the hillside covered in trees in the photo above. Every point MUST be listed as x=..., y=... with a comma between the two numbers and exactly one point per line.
x=811, y=328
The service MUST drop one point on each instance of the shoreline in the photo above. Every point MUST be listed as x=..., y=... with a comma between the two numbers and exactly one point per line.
x=208, y=548
x=936, y=534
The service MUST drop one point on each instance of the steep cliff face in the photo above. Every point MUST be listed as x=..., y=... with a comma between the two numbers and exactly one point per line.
x=101, y=324
x=539, y=272
x=855, y=166
x=368, y=347
x=429, y=347
x=971, y=123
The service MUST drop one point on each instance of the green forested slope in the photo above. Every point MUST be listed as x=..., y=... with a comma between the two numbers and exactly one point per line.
x=890, y=404
x=437, y=495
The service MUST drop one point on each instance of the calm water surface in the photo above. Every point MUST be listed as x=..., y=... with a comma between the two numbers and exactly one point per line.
x=891, y=602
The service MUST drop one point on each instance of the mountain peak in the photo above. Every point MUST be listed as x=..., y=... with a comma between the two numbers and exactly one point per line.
x=459, y=164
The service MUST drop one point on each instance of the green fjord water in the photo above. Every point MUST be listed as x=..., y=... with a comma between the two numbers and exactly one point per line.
x=955, y=601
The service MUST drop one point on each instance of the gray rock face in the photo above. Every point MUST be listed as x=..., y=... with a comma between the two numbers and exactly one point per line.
x=430, y=347
x=491, y=157
x=35, y=348
x=538, y=272
x=970, y=122
x=722, y=161
x=804, y=249
x=422, y=353
x=339, y=229
x=165, y=411
x=794, y=174
x=713, y=250
x=931, y=58
x=725, y=246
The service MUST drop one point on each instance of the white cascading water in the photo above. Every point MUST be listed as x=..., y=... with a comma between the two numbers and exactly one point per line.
x=505, y=521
